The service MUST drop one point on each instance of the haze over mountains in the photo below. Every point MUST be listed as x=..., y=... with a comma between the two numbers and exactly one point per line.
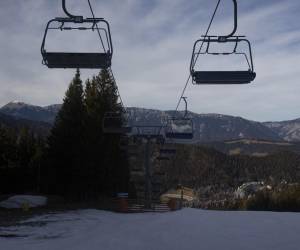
x=207, y=127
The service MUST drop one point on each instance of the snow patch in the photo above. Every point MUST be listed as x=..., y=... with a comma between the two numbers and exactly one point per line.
x=188, y=229
x=19, y=201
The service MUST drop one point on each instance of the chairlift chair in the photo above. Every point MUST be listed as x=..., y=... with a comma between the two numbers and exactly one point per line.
x=115, y=123
x=222, y=77
x=180, y=128
x=95, y=60
x=217, y=76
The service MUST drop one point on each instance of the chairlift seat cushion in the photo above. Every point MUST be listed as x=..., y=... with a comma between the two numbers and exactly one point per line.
x=77, y=60
x=223, y=77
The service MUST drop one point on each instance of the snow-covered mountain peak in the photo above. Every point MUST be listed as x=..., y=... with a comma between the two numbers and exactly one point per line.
x=15, y=105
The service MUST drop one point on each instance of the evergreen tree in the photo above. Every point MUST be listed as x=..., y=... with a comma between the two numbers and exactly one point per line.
x=25, y=148
x=37, y=160
x=20, y=160
x=105, y=157
x=7, y=148
x=85, y=162
x=67, y=144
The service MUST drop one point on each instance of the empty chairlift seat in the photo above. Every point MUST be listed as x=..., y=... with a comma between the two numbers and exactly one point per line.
x=222, y=77
x=77, y=60
x=180, y=128
x=81, y=60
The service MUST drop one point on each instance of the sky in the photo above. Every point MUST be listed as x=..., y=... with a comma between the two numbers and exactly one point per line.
x=153, y=42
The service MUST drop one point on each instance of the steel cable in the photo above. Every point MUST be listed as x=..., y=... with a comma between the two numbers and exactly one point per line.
x=110, y=70
x=208, y=28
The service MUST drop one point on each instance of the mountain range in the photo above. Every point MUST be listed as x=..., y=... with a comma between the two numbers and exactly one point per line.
x=38, y=127
x=21, y=110
x=207, y=127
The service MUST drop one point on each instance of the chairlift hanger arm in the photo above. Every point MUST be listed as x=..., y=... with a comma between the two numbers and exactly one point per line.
x=186, y=107
x=235, y=22
x=235, y=19
x=79, y=18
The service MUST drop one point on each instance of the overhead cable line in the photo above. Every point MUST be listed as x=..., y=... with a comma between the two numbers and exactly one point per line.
x=93, y=14
x=189, y=77
x=110, y=70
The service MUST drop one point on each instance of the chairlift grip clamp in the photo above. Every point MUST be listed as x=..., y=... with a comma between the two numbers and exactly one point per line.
x=222, y=39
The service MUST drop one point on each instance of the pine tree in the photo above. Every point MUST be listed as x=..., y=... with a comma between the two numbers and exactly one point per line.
x=67, y=144
x=85, y=162
x=106, y=159
x=25, y=148
x=37, y=160
x=7, y=148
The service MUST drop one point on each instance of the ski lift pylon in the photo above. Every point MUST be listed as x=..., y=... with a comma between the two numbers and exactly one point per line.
x=95, y=60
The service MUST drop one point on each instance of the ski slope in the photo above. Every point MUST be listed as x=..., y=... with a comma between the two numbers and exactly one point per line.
x=189, y=229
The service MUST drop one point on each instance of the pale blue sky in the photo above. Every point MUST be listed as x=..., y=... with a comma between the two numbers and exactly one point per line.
x=153, y=41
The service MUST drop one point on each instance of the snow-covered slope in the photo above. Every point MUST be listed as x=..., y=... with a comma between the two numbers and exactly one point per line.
x=20, y=201
x=288, y=130
x=189, y=229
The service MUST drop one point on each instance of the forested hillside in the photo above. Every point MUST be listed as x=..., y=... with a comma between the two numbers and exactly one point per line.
x=75, y=159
